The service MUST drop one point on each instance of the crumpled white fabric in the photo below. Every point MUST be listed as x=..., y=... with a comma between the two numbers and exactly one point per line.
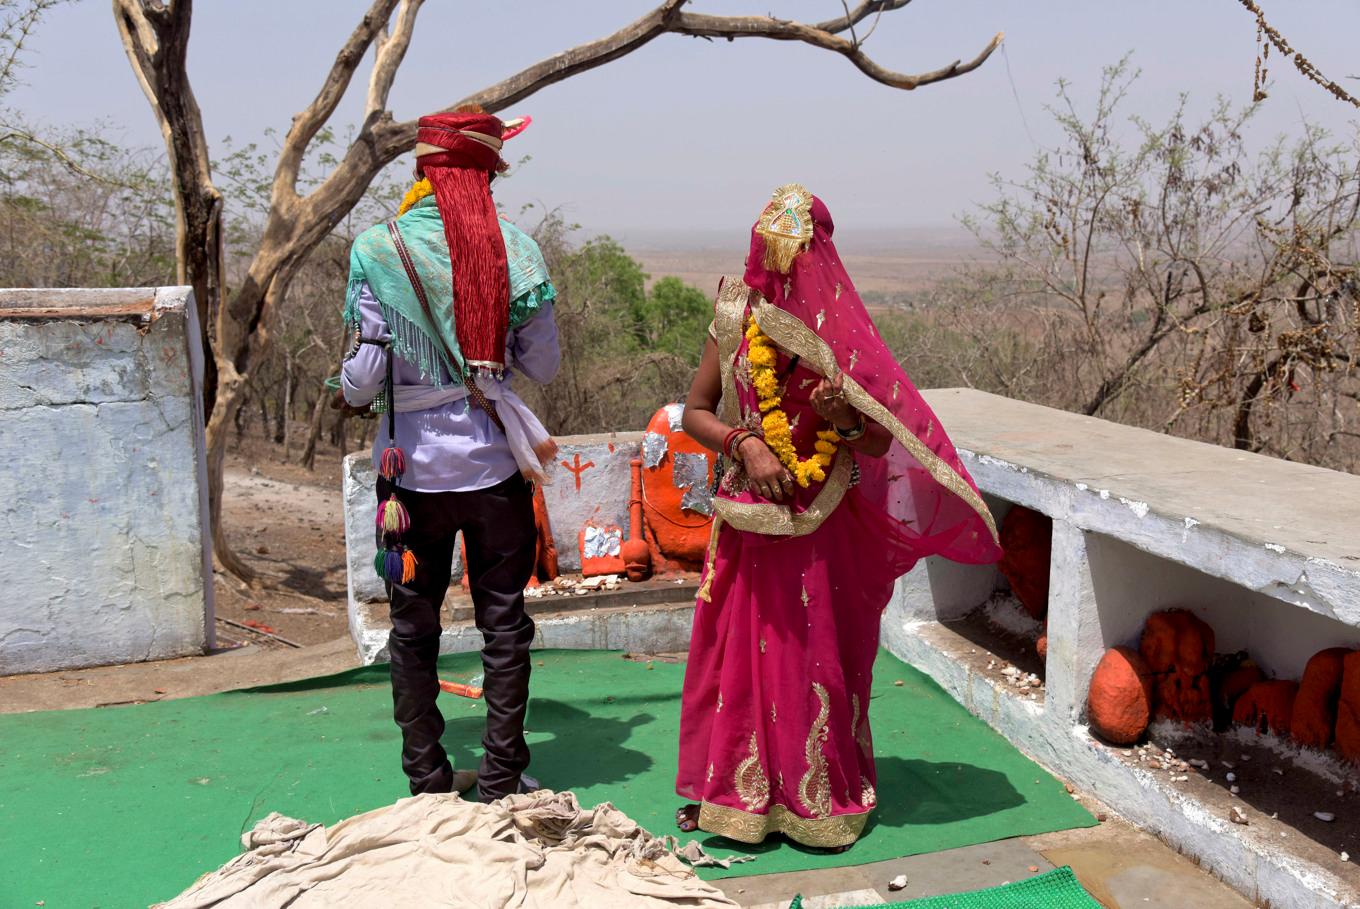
x=533, y=851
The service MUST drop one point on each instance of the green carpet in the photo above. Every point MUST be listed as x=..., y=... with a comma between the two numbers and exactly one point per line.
x=124, y=806
x=1058, y=889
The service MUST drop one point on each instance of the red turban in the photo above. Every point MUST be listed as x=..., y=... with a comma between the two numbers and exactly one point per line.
x=457, y=152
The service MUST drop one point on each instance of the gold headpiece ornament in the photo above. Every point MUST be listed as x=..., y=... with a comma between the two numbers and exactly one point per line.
x=786, y=225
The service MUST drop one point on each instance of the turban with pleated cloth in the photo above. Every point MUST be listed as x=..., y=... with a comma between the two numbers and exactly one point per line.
x=457, y=152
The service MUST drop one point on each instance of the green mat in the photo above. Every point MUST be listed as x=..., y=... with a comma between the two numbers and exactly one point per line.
x=124, y=806
x=1058, y=889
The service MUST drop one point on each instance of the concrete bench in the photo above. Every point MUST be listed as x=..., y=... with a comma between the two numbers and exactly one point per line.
x=592, y=482
x=1265, y=551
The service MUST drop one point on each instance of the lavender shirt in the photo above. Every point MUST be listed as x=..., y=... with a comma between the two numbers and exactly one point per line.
x=453, y=447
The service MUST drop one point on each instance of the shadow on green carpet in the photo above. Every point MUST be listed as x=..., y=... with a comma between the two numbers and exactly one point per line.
x=125, y=806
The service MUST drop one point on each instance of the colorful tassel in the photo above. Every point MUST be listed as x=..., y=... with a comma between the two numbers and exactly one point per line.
x=378, y=564
x=393, y=517
x=408, y=566
x=392, y=464
x=392, y=567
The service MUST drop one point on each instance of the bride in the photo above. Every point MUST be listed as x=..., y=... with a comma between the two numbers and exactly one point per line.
x=837, y=479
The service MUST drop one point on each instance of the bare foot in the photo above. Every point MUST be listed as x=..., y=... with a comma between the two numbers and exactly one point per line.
x=687, y=818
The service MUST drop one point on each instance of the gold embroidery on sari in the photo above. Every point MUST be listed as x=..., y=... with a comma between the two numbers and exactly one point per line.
x=762, y=645
x=814, y=789
x=791, y=335
x=859, y=729
x=706, y=589
x=868, y=798
x=719, y=710
x=729, y=318
x=709, y=779
x=777, y=520
x=805, y=598
x=745, y=827
x=773, y=715
x=750, y=781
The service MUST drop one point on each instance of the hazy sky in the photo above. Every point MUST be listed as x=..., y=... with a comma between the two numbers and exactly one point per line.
x=687, y=134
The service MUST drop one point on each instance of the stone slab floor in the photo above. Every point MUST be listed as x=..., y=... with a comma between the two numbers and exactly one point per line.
x=1120, y=866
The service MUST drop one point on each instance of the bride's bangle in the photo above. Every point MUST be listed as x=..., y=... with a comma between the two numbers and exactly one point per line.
x=855, y=433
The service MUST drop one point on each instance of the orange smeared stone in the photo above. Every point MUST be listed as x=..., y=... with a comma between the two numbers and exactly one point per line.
x=1348, y=708
x=1027, y=538
x=1267, y=706
x=1119, y=702
x=1178, y=639
x=1314, y=719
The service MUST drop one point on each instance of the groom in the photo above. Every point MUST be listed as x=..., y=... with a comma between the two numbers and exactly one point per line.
x=443, y=303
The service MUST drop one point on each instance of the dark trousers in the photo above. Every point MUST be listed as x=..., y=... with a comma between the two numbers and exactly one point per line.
x=498, y=530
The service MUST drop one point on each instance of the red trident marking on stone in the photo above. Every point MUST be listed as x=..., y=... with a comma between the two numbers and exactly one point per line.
x=577, y=468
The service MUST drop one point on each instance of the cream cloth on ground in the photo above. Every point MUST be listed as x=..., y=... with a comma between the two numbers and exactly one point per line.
x=533, y=851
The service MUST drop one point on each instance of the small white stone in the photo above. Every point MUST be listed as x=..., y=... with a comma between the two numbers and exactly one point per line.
x=1229, y=764
x=898, y=883
x=1234, y=790
x=1324, y=816
x=1202, y=765
x=1237, y=815
x=1232, y=778
x=1245, y=757
x=1345, y=856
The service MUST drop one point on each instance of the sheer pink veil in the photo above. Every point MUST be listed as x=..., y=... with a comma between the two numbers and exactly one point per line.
x=919, y=495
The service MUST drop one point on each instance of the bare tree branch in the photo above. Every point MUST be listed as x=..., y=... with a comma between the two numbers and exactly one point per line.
x=854, y=17
x=310, y=120
x=391, y=50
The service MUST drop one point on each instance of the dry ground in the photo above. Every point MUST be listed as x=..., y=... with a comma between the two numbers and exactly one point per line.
x=287, y=523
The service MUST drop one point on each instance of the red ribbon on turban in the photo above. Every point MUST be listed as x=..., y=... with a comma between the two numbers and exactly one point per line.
x=459, y=173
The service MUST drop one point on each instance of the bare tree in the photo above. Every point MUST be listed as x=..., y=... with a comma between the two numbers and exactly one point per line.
x=155, y=34
x=1165, y=276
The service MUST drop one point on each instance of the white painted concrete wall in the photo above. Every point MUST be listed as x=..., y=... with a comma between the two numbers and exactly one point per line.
x=103, y=494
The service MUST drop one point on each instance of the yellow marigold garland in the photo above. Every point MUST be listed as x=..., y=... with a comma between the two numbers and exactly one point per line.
x=778, y=433
x=419, y=190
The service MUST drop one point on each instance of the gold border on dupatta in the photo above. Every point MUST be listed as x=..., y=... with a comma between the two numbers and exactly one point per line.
x=762, y=517
x=789, y=332
x=747, y=827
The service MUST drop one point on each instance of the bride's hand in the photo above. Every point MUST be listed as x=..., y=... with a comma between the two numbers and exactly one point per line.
x=767, y=475
x=829, y=403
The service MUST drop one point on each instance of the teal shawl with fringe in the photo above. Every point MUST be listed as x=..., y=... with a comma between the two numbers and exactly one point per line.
x=373, y=259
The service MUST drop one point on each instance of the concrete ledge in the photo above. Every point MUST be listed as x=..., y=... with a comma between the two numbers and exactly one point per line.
x=1264, y=550
x=660, y=628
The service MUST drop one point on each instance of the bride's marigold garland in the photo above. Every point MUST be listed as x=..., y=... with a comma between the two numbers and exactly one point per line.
x=778, y=433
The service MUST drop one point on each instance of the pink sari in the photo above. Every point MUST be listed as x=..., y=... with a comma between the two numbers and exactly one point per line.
x=774, y=725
